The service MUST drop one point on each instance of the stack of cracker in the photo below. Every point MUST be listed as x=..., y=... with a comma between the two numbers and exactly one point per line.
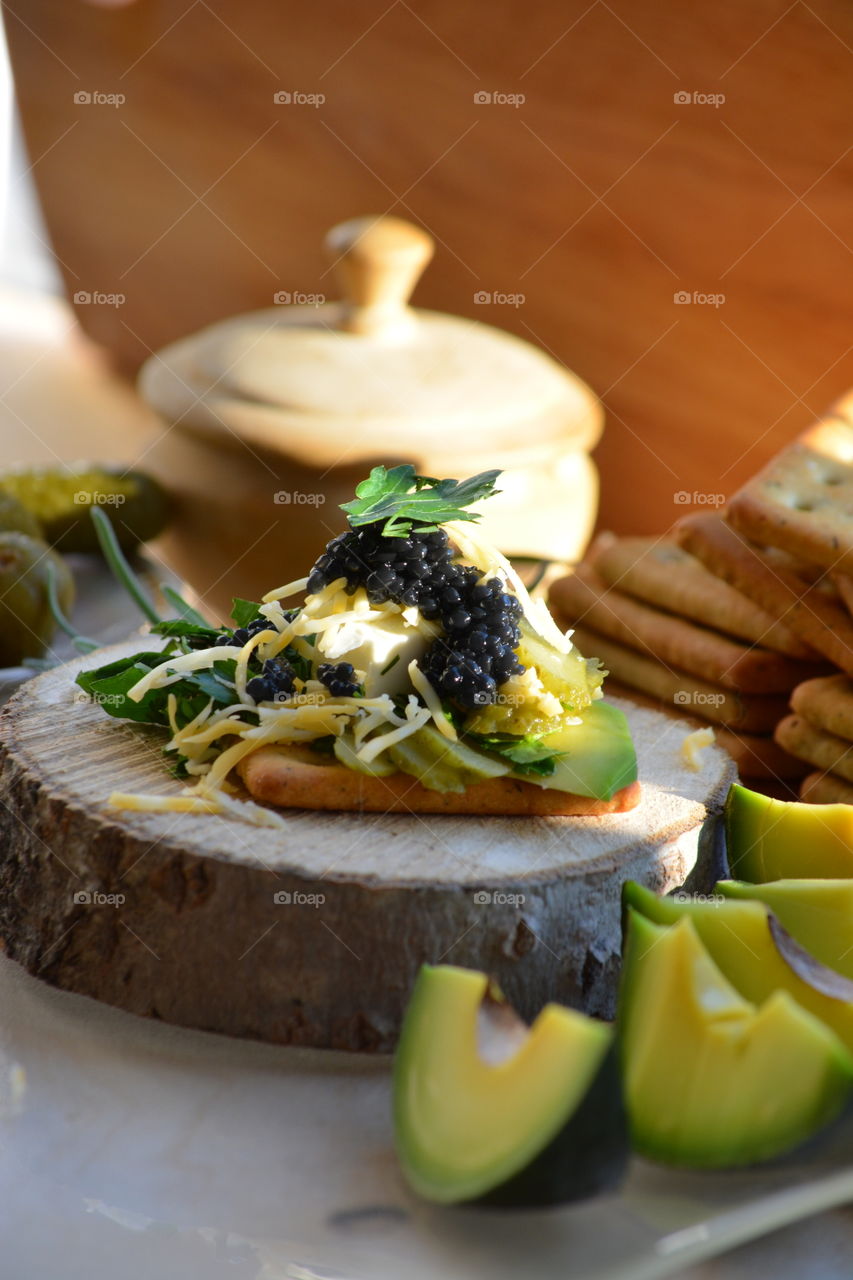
x=786, y=540
x=665, y=625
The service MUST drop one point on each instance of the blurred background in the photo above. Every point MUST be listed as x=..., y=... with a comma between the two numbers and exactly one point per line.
x=655, y=194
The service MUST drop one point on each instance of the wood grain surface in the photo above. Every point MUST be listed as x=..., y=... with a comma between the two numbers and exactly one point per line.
x=599, y=198
x=312, y=934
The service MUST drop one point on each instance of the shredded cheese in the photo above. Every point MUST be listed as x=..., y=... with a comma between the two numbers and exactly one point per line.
x=416, y=718
x=174, y=666
x=432, y=702
x=692, y=744
x=290, y=589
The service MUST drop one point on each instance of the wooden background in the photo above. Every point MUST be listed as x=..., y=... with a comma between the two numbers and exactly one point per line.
x=599, y=198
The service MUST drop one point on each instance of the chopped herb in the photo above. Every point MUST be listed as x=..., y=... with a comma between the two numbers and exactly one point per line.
x=406, y=501
x=389, y=665
x=527, y=754
x=244, y=611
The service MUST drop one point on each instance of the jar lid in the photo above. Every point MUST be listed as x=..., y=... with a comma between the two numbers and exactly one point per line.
x=370, y=375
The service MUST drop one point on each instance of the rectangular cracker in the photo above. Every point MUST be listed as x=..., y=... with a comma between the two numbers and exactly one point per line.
x=773, y=580
x=662, y=573
x=674, y=642
x=680, y=691
x=802, y=501
x=825, y=750
x=827, y=703
x=825, y=788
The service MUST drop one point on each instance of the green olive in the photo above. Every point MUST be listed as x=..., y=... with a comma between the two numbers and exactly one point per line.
x=26, y=621
x=15, y=518
x=61, y=499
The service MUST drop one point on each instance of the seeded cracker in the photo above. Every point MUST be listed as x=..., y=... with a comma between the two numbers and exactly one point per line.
x=674, y=642
x=802, y=501
x=659, y=572
x=825, y=750
x=825, y=788
x=809, y=606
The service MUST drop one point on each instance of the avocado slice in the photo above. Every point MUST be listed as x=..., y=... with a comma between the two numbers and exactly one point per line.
x=780, y=839
x=711, y=1080
x=487, y=1109
x=754, y=953
x=597, y=756
x=817, y=913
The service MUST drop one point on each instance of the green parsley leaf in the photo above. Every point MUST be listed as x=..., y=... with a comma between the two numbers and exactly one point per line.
x=407, y=501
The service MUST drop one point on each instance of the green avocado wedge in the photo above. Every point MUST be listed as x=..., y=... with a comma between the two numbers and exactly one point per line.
x=491, y=1111
x=597, y=756
x=711, y=1080
x=817, y=913
x=780, y=839
x=754, y=953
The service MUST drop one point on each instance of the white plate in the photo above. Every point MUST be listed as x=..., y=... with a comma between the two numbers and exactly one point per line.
x=141, y=1151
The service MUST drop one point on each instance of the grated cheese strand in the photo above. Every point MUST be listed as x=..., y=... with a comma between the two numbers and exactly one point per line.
x=376, y=746
x=290, y=589
x=173, y=667
x=432, y=701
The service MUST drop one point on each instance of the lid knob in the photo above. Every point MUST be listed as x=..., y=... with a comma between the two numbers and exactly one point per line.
x=379, y=261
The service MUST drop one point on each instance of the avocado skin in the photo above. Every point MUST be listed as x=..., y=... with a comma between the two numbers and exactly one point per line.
x=589, y=1154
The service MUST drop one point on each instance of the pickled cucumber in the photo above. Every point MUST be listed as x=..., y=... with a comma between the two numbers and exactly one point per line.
x=60, y=500
x=26, y=621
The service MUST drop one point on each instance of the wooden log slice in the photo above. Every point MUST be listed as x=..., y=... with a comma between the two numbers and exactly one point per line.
x=311, y=935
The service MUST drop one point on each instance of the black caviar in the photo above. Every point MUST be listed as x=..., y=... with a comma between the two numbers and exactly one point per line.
x=275, y=682
x=339, y=678
x=480, y=620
